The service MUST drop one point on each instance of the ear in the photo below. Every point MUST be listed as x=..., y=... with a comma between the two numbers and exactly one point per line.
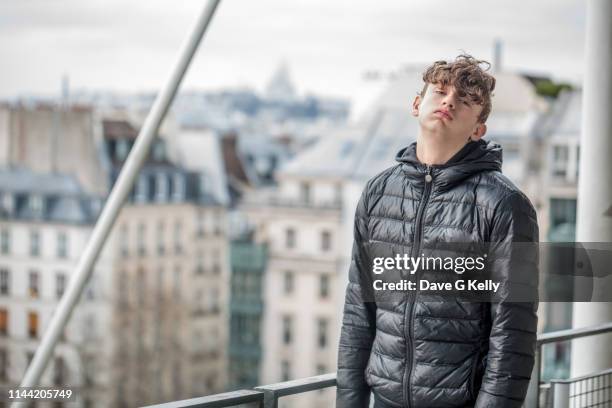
x=415, y=106
x=478, y=132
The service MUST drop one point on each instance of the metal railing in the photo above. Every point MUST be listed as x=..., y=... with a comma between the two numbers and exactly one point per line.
x=533, y=394
x=593, y=390
x=267, y=395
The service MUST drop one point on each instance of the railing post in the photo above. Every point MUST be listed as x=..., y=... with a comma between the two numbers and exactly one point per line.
x=533, y=392
x=560, y=394
x=270, y=399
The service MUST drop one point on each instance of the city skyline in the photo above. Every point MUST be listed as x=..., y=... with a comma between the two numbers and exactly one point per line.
x=328, y=46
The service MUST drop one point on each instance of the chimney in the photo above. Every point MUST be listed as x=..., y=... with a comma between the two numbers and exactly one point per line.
x=497, y=55
x=65, y=91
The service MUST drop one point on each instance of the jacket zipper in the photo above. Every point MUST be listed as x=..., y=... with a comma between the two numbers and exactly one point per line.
x=416, y=247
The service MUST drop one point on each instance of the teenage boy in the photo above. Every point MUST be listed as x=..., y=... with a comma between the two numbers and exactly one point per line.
x=447, y=187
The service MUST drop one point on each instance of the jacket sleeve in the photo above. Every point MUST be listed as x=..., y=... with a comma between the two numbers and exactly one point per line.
x=358, y=323
x=513, y=312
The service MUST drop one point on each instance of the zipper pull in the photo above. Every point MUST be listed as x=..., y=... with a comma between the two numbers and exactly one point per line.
x=428, y=176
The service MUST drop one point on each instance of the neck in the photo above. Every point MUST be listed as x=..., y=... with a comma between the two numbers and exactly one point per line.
x=432, y=150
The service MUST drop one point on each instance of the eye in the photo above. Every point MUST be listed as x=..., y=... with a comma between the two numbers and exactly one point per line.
x=439, y=91
x=465, y=102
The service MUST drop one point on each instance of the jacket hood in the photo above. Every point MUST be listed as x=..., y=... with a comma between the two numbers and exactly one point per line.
x=474, y=157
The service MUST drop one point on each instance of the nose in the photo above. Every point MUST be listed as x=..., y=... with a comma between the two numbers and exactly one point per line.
x=449, y=100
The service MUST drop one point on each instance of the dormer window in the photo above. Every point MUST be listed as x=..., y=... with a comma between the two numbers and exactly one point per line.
x=122, y=150
x=8, y=203
x=141, y=189
x=162, y=188
x=203, y=184
x=35, y=203
x=179, y=187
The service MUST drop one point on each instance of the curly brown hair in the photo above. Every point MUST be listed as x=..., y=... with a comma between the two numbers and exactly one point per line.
x=468, y=78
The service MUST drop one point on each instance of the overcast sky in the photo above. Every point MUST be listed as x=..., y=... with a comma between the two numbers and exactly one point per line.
x=130, y=45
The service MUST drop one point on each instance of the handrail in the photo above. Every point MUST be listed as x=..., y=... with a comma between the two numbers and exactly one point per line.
x=569, y=334
x=226, y=399
x=267, y=395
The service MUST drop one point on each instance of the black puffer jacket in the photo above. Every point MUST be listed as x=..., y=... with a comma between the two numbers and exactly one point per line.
x=415, y=353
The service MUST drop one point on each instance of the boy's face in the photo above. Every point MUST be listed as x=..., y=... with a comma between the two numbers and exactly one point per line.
x=442, y=112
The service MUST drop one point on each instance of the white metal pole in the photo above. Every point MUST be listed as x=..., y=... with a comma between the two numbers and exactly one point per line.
x=115, y=200
x=560, y=394
x=594, y=223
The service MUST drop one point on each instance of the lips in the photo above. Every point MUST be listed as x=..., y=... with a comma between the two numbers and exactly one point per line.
x=444, y=113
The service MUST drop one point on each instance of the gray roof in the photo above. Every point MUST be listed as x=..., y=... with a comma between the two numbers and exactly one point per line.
x=59, y=198
x=17, y=180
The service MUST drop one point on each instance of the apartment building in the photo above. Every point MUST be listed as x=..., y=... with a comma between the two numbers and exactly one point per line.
x=171, y=299
x=45, y=221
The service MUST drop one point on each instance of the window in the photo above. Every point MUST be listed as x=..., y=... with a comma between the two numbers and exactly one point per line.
x=5, y=241
x=60, y=285
x=178, y=229
x=305, y=193
x=288, y=281
x=287, y=328
x=3, y=322
x=214, y=300
x=141, y=239
x=141, y=287
x=36, y=205
x=33, y=325
x=177, y=282
x=62, y=245
x=324, y=286
x=161, y=249
x=338, y=194
x=325, y=241
x=3, y=364
x=290, y=238
x=162, y=188
x=140, y=195
x=216, y=267
x=200, y=222
x=218, y=228
x=285, y=370
x=322, y=333
x=123, y=288
x=5, y=283
x=562, y=211
x=560, y=160
x=179, y=187
x=34, y=243
x=124, y=240
x=122, y=149
x=160, y=285
x=33, y=284
x=199, y=270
